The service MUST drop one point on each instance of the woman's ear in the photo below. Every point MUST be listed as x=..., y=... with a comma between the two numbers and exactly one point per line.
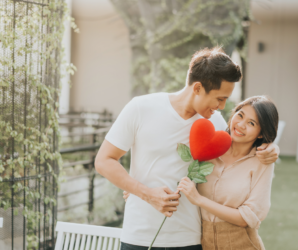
x=260, y=137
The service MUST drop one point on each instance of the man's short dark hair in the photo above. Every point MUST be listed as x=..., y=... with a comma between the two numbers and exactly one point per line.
x=211, y=67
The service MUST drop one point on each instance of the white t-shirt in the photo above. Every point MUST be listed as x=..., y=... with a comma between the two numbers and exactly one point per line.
x=151, y=128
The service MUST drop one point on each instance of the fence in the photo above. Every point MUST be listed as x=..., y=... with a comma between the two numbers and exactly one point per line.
x=82, y=135
x=30, y=32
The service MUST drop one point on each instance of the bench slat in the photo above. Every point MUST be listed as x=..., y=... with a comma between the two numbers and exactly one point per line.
x=94, y=238
x=72, y=240
x=116, y=245
x=105, y=243
x=77, y=241
x=66, y=242
x=88, y=242
x=111, y=241
x=59, y=241
x=99, y=243
x=83, y=242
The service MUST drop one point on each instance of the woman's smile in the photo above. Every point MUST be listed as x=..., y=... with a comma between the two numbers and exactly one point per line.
x=238, y=133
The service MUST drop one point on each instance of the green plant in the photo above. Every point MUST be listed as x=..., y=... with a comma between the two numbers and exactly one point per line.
x=31, y=56
x=164, y=34
x=226, y=112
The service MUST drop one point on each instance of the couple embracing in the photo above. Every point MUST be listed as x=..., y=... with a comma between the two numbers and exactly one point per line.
x=226, y=211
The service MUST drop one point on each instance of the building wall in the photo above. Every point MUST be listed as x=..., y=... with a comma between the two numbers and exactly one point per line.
x=274, y=71
x=101, y=53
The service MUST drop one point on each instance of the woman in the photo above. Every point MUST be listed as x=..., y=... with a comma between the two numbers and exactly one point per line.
x=236, y=197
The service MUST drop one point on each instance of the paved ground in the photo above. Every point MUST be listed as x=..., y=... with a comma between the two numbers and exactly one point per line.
x=279, y=231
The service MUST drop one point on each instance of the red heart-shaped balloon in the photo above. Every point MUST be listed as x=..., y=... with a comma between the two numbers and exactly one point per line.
x=206, y=143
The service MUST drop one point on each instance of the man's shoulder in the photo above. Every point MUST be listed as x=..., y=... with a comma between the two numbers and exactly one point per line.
x=218, y=121
x=216, y=116
x=149, y=99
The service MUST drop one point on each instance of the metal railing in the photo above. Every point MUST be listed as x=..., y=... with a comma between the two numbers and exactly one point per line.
x=95, y=181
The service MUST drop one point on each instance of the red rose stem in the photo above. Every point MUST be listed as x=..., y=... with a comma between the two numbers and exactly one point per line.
x=157, y=232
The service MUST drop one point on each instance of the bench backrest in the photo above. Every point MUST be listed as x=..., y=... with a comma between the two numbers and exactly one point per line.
x=72, y=236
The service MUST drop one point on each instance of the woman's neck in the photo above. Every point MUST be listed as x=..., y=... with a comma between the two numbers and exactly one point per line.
x=239, y=150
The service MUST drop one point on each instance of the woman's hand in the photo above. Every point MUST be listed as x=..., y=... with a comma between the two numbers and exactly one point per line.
x=188, y=188
x=125, y=195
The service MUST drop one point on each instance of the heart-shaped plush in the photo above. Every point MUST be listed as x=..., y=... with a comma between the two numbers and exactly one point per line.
x=206, y=143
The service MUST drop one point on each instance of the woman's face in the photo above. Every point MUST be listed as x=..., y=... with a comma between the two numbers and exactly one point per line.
x=245, y=125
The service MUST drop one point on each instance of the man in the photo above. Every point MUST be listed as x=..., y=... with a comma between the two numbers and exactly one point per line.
x=151, y=126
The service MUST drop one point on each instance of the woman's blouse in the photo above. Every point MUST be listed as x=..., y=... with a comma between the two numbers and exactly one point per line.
x=245, y=185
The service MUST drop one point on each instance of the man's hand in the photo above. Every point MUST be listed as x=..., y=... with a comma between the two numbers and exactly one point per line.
x=164, y=200
x=268, y=153
x=107, y=164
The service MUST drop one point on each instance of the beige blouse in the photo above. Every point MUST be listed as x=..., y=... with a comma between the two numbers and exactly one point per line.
x=245, y=185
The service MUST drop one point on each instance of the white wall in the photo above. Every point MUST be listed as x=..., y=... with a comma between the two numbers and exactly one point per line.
x=66, y=43
x=236, y=94
x=274, y=71
x=101, y=53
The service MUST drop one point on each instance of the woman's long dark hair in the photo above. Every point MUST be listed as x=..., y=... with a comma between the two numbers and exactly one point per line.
x=267, y=115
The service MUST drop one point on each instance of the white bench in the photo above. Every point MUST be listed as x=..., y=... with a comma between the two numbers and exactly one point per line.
x=72, y=236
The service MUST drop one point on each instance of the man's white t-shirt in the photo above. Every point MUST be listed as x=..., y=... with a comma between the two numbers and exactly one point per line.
x=151, y=128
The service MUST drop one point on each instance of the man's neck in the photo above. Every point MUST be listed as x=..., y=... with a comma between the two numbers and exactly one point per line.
x=182, y=103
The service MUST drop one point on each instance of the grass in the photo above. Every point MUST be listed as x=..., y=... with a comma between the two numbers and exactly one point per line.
x=280, y=229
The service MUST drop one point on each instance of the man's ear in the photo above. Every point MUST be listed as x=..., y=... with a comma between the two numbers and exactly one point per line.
x=197, y=87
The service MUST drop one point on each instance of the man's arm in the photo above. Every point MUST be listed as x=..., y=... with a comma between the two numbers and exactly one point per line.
x=107, y=164
x=268, y=153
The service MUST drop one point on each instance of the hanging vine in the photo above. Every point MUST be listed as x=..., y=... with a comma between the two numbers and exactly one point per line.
x=30, y=60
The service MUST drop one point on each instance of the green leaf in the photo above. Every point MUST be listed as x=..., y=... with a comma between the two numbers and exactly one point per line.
x=49, y=212
x=7, y=205
x=184, y=152
x=194, y=175
x=191, y=176
x=13, y=133
x=206, y=168
x=199, y=179
x=50, y=167
x=194, y=165
x=4, y=83
x=19, y=137
x=46, y=200
x=15, y=212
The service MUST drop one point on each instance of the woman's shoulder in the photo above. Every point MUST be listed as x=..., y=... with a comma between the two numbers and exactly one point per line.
x=253, y=160
x=260, y=169
x=215, y=161
x=259, y=164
